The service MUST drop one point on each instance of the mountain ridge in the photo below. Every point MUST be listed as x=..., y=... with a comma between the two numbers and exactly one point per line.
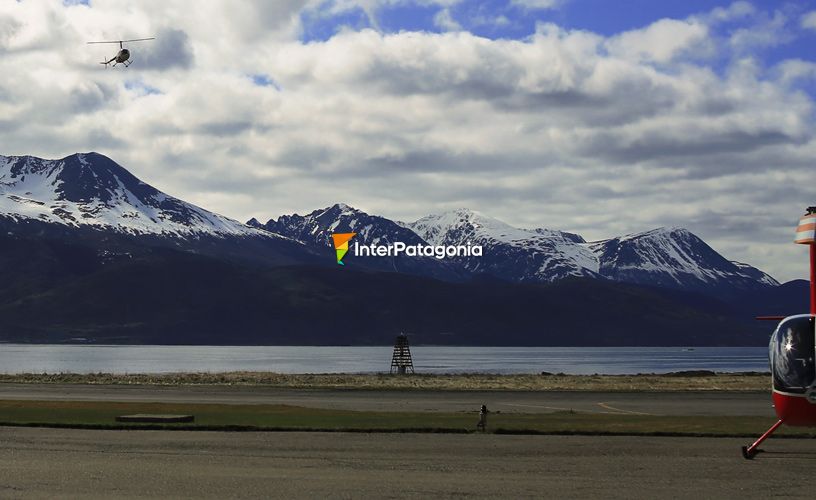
x=672, y=257
x=89, y=189
x=315, y=229
x=89, y=197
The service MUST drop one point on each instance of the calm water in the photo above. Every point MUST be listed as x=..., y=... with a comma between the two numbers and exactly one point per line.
x=21, y=358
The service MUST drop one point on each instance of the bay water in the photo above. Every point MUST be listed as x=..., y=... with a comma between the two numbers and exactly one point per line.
x=119, y=359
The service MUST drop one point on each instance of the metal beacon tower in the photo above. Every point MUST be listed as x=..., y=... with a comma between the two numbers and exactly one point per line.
x=401, y=361
x=792, y=351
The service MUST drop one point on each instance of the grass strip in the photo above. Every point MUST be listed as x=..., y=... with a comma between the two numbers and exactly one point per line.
x=280, y=418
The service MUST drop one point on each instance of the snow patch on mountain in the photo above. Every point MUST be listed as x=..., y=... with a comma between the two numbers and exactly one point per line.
x=536, y=255
x=754, y=273
x=672, y=257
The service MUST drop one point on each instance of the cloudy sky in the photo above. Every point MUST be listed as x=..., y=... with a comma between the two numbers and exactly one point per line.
x=591, y=116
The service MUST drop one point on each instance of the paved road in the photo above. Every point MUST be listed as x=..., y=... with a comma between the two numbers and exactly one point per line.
x=57, y=463
x=677, y=403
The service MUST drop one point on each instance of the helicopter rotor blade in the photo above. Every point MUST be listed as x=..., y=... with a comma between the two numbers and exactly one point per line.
x=124, y=41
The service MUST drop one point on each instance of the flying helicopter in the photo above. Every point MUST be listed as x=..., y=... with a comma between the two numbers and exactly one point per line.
x=124, y=54
x=791, y=353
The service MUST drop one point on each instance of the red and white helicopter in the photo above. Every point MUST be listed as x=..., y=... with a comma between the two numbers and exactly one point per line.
x=791, y=353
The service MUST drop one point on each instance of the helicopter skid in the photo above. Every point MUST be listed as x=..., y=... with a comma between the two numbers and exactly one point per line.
x=749, y=452
x=795, y=410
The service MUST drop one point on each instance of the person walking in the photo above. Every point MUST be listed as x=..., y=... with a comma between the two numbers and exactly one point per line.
x=482, y=425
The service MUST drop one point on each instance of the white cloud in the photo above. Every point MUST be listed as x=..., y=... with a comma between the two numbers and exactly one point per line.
x=735, y=11
x=808, y=20
x=538, y=4
x=766, y=32
x=659, y=42
x=792, y=71
x=371, y=8
x=565, y=129
x=443, y=19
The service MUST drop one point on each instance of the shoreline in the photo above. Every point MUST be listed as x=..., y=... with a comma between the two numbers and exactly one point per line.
x=669, y=382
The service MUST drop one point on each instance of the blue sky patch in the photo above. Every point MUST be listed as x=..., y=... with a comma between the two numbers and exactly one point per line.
x=320, y=24
x=263, y=80
x=141, y=87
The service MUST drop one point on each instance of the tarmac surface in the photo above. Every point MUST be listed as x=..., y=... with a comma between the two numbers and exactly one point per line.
x=60, y=463
x=650, y=403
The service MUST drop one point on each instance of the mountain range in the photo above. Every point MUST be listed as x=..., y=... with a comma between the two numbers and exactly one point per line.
x=89, y=253
x=664, y=257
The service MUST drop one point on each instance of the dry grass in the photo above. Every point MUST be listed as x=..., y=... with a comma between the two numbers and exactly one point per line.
x=689, y=381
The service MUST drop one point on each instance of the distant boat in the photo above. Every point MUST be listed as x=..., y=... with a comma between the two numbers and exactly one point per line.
x=688, y=349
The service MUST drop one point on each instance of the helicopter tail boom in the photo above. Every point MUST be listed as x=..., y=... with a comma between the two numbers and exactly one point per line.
x=806, y=235
x=812, y=278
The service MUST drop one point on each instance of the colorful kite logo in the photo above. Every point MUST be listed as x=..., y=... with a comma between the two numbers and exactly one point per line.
x=341, y=245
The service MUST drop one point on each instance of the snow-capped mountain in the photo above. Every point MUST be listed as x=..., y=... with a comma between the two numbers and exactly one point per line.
x=670, y=258
x=90, y=201
x=91, y=190
x=89, y=194
x=673, y=258
x=522, y=255
x=315, y=229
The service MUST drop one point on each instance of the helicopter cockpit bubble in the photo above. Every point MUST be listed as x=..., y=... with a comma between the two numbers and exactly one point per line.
x=792, y=353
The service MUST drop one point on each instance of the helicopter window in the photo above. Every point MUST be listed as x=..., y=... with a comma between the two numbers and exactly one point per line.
x=792, y=353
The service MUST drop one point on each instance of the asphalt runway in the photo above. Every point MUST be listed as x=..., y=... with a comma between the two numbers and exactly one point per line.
x=60, y=463
x=649, y=403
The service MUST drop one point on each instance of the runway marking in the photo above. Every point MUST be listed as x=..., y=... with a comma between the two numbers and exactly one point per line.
x=620, y=410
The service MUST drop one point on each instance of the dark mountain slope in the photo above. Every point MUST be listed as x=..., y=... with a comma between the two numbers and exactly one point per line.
x=171, y=297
